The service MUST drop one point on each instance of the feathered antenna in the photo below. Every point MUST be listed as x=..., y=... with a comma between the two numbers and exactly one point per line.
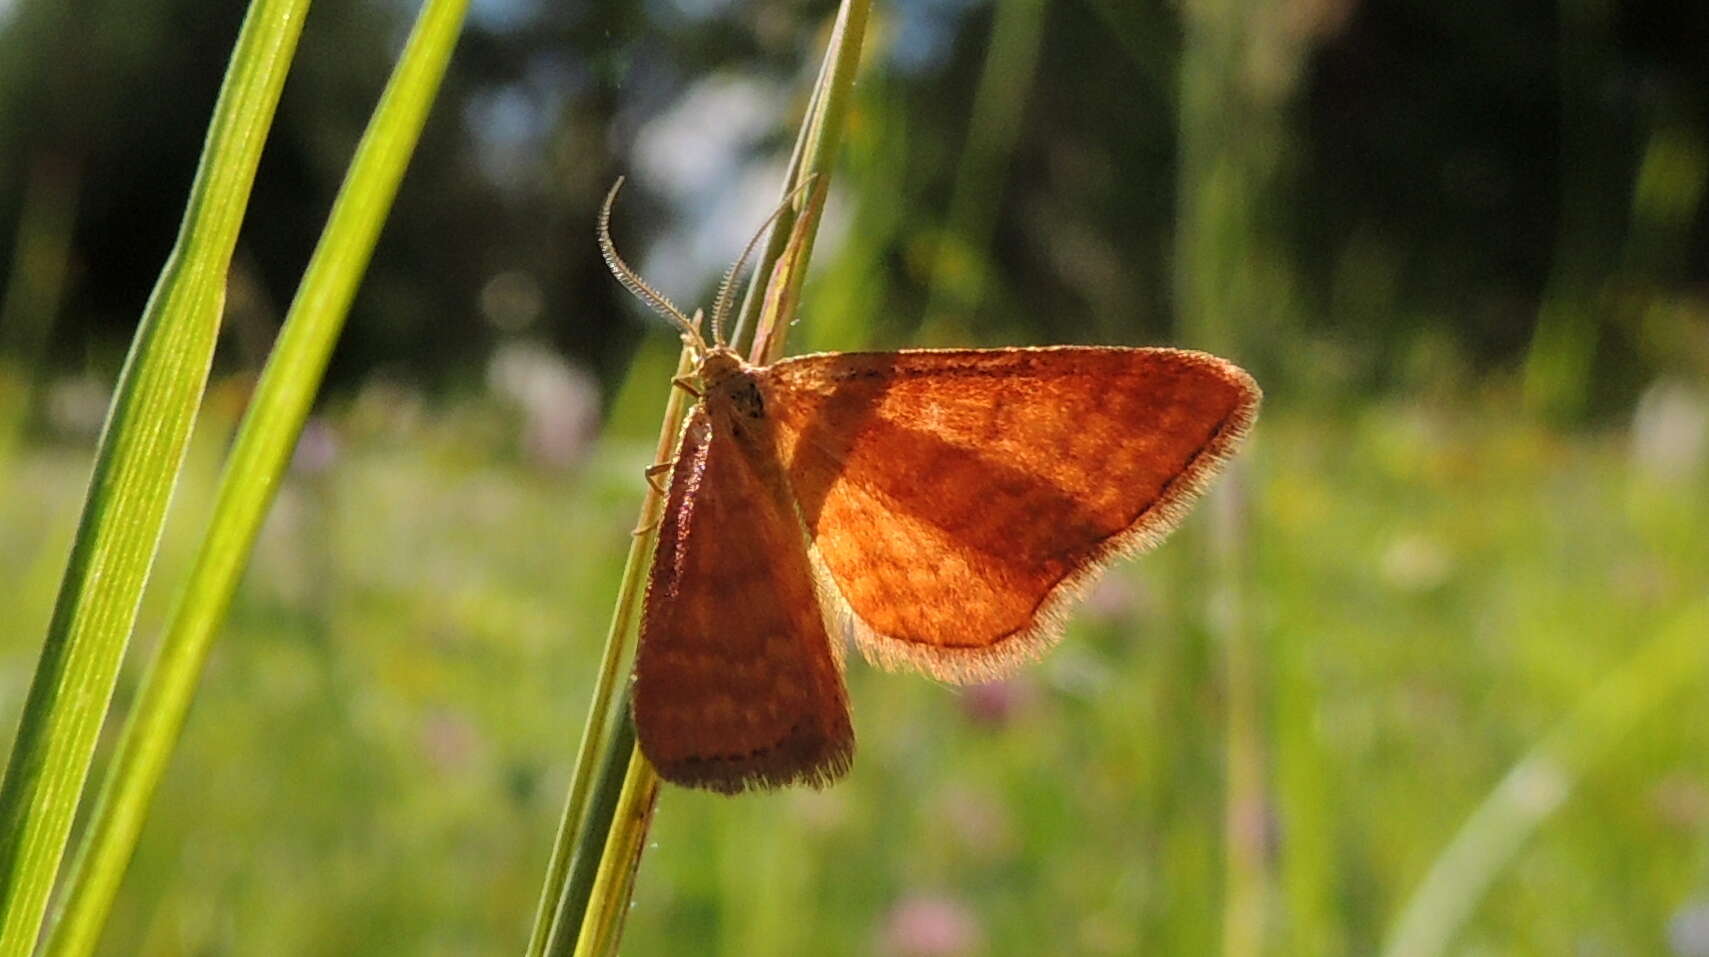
x=654, y=299
x=727, y=289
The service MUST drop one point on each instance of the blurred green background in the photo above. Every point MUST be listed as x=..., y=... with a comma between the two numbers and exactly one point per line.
x=1453, y=598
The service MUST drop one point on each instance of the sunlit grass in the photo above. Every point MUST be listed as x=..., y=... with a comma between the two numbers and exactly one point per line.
x=135, y=470
x=263, y=446
x=590, y=877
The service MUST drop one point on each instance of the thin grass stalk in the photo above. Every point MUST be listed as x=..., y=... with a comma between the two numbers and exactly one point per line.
x=822, y=137
x=257, y=462
x=1239, y=70
x=815, y=153
x=599, y=926
x=596, y=824
x=1303, y=797
x=998, y=105
x=753, y=298
x=1543, y=780
x=1560, y=359
x=558, y=916
x=40, y=257
x=614, y=879
x=1246, y=887
x=136, y=467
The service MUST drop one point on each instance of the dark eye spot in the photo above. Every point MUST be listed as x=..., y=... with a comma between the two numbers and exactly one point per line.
x=752, y=402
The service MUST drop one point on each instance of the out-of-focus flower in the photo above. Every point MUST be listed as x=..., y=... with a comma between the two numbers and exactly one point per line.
x=385, y=406
x=317, y=448
x=1682, y=801
x=449, y=741
x=1670, y=431
x=1118, y=599
x=77, y=406
x=512, y=300
x=979, y=821
x=1688, y=931
x=994, y=704
x=559, y=402
x=931, y=926
x=1416, y=563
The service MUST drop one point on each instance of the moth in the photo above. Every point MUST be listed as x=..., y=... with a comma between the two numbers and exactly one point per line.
x=943, y=507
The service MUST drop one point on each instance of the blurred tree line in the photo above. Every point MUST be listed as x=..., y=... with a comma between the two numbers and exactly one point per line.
x=1441, y=189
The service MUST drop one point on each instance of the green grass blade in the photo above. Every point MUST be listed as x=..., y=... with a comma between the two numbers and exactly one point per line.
x=41, y=257
x=258, y=459
x=775, y=290
x=784, y=267
x=136, y=467
x=960, y=270
x=590, y=878
x=614, y=880
x=596, y=822
x=602, y=756
x=1542, y=780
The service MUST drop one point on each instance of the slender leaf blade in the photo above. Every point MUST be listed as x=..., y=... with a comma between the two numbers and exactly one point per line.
x=136, y=467
x=258, y=459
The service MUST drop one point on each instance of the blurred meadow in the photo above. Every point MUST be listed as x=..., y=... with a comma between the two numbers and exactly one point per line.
x=1429, y=674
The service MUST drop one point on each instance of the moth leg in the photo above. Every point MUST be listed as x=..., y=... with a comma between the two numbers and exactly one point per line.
x=652, y=472
x=687, y=385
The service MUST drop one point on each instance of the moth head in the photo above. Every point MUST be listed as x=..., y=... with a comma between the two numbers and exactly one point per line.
x=720, y=366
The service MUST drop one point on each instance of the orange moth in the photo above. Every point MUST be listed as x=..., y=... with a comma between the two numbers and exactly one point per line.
x=943, y=507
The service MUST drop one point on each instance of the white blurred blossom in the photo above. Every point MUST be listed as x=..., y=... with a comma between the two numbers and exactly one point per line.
x=1670, y=431
x=558, y=401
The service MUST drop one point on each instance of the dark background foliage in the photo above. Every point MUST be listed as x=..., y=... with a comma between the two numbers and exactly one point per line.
x=1468, y=152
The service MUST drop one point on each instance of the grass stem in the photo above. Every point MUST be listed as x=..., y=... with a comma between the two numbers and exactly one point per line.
x=558, y=916
x=257, y=462
x=136, y=468
x=590, y=915
x=1543, y=780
